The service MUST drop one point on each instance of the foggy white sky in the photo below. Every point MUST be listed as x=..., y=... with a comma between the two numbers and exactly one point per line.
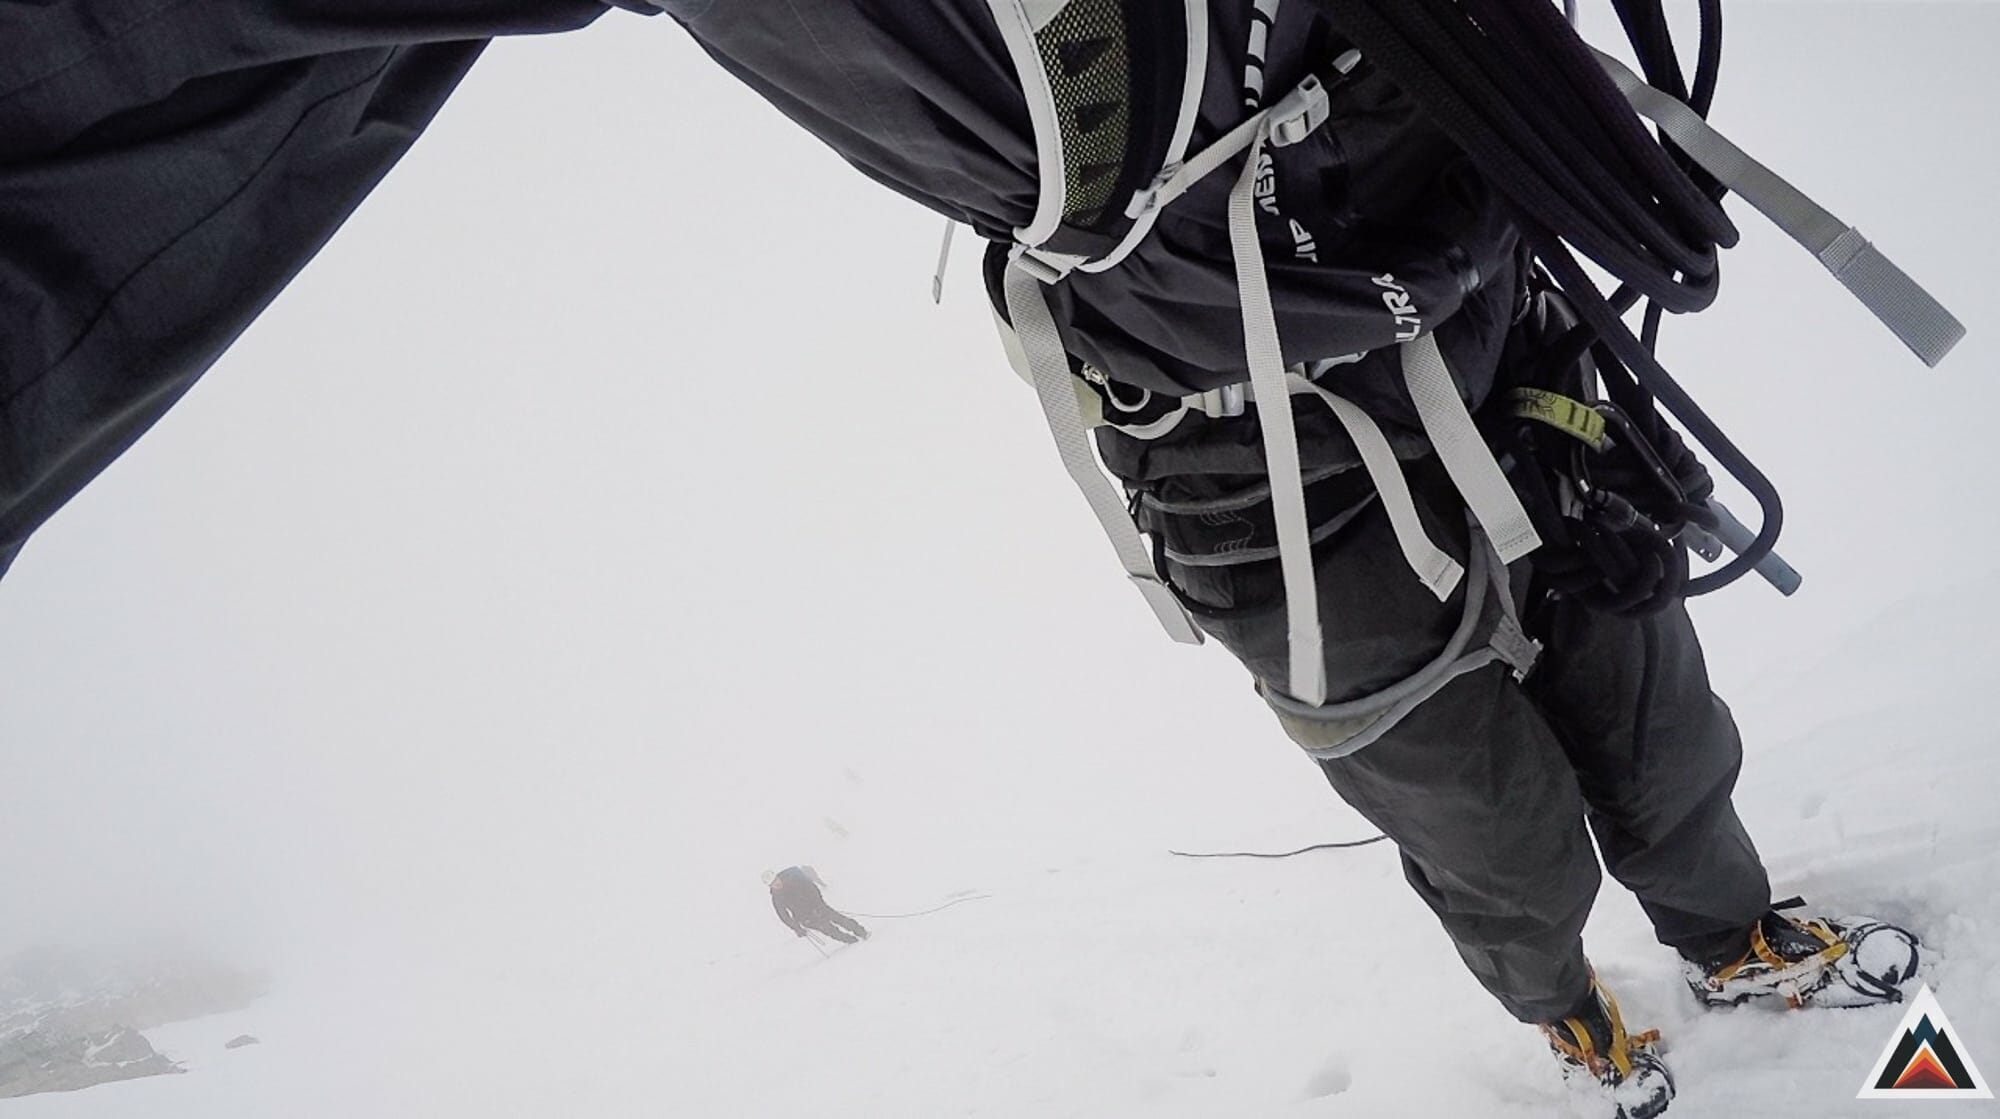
x=608, y=506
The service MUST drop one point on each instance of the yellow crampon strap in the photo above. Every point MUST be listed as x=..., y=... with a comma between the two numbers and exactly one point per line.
x=1762, y=952
x=1573, y=418
x=1621, y=1045
x=1761, y=948
x=1576, y=1044
x=1580, y=1045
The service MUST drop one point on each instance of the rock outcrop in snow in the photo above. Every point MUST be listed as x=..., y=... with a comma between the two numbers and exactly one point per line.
x=36, y=1061
x=71, y=1019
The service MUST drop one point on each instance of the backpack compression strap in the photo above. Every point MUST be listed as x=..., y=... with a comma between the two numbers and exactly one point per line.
x=1292, y=119
x=1041, y=349
x=1090, y=101
x=1036, y=262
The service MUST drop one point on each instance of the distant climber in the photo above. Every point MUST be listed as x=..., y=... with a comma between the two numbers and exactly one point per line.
x=795, y=894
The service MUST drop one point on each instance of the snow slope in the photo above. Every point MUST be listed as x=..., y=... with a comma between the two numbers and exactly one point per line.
x=474, y=735
x=1141, y=984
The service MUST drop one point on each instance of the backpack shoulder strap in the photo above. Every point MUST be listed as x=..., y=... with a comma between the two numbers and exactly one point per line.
x=1113, y=88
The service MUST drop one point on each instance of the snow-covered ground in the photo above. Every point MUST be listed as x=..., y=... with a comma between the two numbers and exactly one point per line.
x=1130, y=982
x=1124, y=981
x=475, y=714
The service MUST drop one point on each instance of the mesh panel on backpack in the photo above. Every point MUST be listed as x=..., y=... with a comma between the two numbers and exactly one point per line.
x=1084, y=52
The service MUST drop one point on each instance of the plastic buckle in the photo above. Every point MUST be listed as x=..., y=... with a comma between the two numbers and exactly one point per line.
x=1301, y=111
x=1049, y=268
x=1147, y=198
x=1517, y=651
x=1220, y=403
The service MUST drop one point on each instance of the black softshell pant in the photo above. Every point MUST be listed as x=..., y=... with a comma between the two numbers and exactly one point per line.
x=1488, y=786
x=802, y=906
x=835, y=924
x=166, y=166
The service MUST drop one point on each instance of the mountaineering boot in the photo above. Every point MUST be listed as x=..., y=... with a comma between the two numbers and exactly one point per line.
x=1817, y=961
x=1593, y=1043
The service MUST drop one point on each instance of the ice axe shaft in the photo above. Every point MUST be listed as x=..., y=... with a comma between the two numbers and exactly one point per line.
x=1736, y=536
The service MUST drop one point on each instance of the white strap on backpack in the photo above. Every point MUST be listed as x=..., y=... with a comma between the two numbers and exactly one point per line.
x=1037, y=346
x=1902, y=305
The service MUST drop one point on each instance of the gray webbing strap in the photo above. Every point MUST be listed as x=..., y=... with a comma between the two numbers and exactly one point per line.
x=1510, y=640
x=1292, y=119
x=1920, y=321
x=1306, y=671
x=1178, y=177
x=1048, y=365
x=1240, y=556
x=1335, y=730
x=1433, y=565
x=944, y=258
x=1464, y=452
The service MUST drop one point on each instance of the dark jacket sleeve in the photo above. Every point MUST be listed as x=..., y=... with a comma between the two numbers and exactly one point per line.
x=165, y=169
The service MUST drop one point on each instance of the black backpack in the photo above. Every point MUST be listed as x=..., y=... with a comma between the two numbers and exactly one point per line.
x=1242, y=248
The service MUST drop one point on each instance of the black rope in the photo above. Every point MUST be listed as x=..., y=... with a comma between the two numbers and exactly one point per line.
x=1510, y=84
x=1275, y=854
x=920, y=912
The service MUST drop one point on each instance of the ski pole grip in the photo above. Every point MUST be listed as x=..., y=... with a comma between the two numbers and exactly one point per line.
x=1736, y=536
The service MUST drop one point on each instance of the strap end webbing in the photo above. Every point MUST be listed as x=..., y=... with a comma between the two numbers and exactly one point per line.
x=944, y=258
x=1892, y=296
x=1166, y=607
x=1439, y=573
x=1040, y=349
x=1464, y=452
